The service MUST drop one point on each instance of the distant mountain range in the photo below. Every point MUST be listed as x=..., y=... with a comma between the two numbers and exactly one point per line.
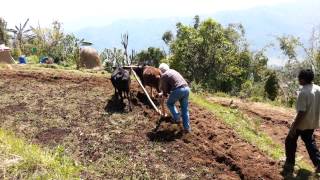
x=261, y=25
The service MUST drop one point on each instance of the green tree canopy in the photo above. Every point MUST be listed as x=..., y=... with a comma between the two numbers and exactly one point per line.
x=151, y=56
x=272, y=86
x=214, y=56
x=3, y=32
x=167, y=37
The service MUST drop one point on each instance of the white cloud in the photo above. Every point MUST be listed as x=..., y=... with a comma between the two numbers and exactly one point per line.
x=83, y=12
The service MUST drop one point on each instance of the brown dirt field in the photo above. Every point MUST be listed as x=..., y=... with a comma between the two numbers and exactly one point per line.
x=78, y=111
x=275, y=122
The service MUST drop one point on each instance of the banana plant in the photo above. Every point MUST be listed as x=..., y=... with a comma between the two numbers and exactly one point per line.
x=21, y=34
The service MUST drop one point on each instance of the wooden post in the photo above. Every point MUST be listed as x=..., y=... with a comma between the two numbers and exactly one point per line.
x=145, y=91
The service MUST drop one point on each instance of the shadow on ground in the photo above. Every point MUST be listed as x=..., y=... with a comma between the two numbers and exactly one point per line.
x=115, y=105
x=302, y=174
x=144, y=99
x=165, y=135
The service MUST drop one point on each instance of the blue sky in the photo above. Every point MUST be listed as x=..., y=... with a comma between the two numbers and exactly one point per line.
x=76, y=14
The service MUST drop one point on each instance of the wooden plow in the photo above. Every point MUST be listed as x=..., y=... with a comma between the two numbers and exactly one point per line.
x=144, y=90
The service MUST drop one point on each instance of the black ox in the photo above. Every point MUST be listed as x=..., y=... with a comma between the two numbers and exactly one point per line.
x=120, y=79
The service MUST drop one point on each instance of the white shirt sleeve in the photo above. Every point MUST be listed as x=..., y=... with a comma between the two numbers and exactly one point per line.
x=302, y=102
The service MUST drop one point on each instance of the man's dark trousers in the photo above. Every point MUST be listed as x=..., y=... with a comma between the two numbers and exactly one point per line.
x=309, y=141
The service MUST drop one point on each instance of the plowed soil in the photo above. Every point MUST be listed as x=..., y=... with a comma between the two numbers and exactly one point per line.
x=79, y=112
x=275, y=121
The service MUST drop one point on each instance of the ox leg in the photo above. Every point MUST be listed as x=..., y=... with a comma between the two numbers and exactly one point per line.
x=129, y=100
x=121, y=96
x=151, y=92
x=116, y=93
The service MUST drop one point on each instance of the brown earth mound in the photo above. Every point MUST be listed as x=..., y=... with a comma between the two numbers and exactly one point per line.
x=80, y=113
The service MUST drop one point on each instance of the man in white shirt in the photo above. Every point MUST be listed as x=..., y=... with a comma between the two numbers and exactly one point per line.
x=306, y=121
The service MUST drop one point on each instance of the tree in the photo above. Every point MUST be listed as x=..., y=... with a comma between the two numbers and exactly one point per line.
x=272, y=86
x=167, y=37
x=20, y=35
x=56, y=48
x=288, y=45
x=288, y=74
x=53, y=42
x=124, y=42
x=211, y=55
x=133, y=56
x=196, y=22
x=259, y=65
x=151, y=56
x=112, y=57
x=71, y=48
x=3, y=32
x=49, y=41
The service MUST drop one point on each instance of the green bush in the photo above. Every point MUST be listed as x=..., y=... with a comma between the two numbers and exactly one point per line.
x=108, y=66
x=15, y=53
x=33, y=59
x=258, y=90
x=291, y=101
x=246, y=89
x=272, y=86
x=196, y=87
x=256, y=99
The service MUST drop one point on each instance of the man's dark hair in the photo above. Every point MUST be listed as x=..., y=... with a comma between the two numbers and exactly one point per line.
x=307, y=75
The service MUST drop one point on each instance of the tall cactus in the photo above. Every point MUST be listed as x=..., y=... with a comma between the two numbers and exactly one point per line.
x=124, y=42
x=132, y=57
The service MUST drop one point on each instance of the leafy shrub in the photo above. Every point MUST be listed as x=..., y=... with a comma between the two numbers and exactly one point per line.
x=272, y=86
x=108, y=66
x=246, y=89
x=196, y=87
x=256, y=99
x=33, y=59
x=258, y=90
x=291, y=101
x=15, y=53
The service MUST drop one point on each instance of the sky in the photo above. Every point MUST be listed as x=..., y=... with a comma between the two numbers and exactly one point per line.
x=77, y=14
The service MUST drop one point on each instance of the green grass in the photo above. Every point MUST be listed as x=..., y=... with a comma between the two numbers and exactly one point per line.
x=21, y=160
x=246, y=128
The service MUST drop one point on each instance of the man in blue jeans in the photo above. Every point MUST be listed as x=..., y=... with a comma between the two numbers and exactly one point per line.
x=305, y=123
x=173, y=83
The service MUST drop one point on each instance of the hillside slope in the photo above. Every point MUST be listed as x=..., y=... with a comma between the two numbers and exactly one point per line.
x=78, y=111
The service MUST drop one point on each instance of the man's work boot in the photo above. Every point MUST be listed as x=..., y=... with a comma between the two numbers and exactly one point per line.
x=317, y=171
x=288, y=169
